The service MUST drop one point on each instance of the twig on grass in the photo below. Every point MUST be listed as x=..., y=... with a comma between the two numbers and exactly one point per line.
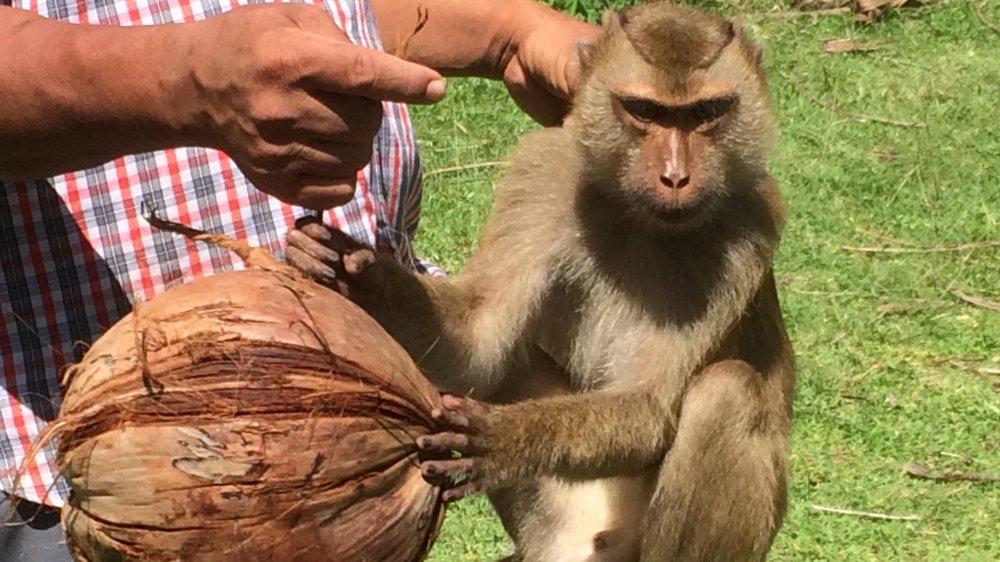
x=802, y=13
x=867, y=514
x=964, y=457
x=977, y=301
x=923, y=250
x=475, y=166
x=912, y=306
x=917, y=470
x=804, y=92
x=982, y=17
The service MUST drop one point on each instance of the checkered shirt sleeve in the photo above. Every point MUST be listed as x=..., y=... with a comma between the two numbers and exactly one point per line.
x=75, y=253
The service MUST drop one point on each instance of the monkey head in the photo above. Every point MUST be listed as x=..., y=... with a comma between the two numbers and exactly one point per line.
x=673, y=115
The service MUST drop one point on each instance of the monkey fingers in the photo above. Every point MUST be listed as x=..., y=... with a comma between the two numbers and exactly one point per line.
x=458, y=477
x=326, y=255
x=442, y=445
x=462, y=491
x=302, y=260
x=463, y=413
x=328, y=236
x=356, y=261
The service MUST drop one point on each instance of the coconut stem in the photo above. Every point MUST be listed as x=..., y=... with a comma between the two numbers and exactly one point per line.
x=252, y=256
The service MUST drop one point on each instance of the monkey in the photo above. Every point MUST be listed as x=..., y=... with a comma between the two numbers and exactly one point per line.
x=619, y=373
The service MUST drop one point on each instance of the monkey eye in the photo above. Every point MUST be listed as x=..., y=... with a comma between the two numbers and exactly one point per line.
x=712, y=110
x=643, y=110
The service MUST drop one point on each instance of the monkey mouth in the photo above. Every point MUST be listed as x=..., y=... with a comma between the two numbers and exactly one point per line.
x=679, y=214
x=675, y=204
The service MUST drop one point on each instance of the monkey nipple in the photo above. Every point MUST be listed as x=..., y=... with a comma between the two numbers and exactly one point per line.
x=606, y=540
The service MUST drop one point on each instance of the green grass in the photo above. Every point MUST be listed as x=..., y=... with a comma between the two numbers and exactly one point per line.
x=888, y=356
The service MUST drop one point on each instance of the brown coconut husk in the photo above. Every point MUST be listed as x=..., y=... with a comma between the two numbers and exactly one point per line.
x=250, y=415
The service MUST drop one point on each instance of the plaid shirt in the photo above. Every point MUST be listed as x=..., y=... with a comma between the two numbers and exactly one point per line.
x=75, y=252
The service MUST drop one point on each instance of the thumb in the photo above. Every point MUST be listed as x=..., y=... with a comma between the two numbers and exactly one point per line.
x=350, y=69
x=534, y=98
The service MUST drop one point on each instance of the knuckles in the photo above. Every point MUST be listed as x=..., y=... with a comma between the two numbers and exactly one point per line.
x=362, y=74
x=267, y=158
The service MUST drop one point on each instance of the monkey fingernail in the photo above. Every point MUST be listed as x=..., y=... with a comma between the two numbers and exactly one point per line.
x=453, y=402
x=326, y=275
x=454, y=419
x=459, y=492
x=315, y=230
x=449, y=418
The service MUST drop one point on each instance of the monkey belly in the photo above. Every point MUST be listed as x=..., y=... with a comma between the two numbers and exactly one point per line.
x=590, y=521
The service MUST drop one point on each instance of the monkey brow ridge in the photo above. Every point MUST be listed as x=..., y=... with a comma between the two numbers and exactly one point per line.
x=676, y=37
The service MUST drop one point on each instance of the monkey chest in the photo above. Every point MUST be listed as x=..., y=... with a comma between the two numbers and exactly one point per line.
x=604, y=343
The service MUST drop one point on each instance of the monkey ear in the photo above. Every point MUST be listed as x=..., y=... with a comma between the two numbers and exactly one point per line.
x=613, y=21
x=583, y=55
x=756, y=49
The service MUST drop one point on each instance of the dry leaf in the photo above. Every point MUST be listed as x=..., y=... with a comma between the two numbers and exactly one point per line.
x=869, y=11
x=816, y=5
x=885, y=152
x=920, y=471
x=977, y=301
x=869, y=5
x=850, y=46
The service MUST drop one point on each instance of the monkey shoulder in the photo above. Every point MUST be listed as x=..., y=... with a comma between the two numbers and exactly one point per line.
x=545, y=163
x=535, y=196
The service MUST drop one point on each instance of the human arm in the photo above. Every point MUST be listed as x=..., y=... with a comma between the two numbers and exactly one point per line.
x=528, y=45
x=279, y=88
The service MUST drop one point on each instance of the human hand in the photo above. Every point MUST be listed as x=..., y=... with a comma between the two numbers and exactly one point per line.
x=543, y=72
x=283, y=91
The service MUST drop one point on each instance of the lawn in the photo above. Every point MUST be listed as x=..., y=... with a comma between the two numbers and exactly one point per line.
x=888, y=219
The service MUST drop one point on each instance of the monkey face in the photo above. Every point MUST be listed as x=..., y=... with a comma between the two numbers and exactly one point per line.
x=675, y=164
x=673, y=122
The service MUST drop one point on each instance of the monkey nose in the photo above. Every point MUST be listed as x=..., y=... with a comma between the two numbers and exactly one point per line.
x=675, y=179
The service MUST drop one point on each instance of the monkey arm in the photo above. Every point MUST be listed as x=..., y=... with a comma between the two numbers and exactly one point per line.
x=466, y=332
x=580, y=436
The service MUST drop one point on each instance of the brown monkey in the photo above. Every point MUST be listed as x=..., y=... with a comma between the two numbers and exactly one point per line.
x=622, y=308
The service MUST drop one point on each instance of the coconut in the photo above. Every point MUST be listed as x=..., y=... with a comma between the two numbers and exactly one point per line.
x=248, y=415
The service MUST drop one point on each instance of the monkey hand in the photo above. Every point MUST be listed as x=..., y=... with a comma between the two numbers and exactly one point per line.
x=467, y=424
x=328, y=256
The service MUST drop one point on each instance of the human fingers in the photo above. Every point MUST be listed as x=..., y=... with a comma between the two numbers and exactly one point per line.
x=351, y=69
x=318, y=193
x=533, y=97
x=295, y=116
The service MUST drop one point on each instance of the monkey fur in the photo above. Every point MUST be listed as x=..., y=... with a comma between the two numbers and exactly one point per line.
x=620, y=315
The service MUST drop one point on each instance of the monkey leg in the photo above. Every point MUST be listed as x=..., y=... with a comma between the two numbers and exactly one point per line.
x=721, y=493
x=553, y=520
